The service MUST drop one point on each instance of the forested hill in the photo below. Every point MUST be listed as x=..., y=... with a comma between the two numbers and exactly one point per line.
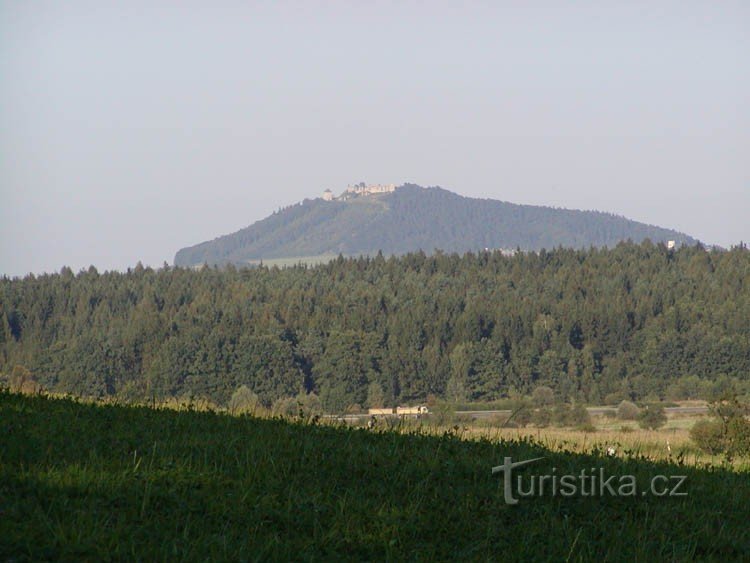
x=634, y=322
x=414, y=218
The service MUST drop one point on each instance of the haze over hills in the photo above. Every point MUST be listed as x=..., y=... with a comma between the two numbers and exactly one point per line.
x=366, y=220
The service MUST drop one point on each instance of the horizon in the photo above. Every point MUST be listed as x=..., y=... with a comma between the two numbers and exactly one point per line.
x=130, y=132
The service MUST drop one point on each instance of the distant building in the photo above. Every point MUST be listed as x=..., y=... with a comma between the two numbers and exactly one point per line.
x=403, y=410
x=362, y=189
x=670, y=244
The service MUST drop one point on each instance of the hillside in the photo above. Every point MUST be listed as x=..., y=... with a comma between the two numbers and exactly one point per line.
x=93, y=483
x=413, y=218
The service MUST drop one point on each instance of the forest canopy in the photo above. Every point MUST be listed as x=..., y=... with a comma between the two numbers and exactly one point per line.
x=634, y=322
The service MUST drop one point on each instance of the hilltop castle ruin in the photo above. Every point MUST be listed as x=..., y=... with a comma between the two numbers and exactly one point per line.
x=360, y=189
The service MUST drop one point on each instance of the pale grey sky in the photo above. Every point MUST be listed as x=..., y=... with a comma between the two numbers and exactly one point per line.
x=130, y=130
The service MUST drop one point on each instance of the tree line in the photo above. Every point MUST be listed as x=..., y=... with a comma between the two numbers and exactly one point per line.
x=636, y=322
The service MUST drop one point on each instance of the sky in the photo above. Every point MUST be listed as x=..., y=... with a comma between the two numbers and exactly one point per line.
x=130, y=130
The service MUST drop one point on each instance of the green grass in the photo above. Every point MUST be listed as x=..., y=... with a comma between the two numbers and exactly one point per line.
x=87, y=482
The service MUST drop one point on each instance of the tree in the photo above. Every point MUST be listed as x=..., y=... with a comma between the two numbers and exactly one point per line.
x=579, y=415
x=22, y=381
x=627, y=411
x=541, y=417
x=543, y=396
x=375, y=395
x=243, y=401
x=652, y=417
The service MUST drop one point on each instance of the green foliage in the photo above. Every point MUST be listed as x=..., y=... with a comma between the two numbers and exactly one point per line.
x=91, y=483
x=521, y=413
x=243, y=401
x=708, y=435
x=631, y=322
x=652, y=417
x=542, y=417
x=543, y=396
x=375, y=396
x=729, y=430
x=627, y=410
x=579, y=416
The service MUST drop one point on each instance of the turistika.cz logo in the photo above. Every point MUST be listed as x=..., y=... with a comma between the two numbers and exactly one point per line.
x=590, y=482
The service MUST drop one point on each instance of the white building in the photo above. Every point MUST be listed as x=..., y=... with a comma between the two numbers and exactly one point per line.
x=328, y=195
x=362, y=189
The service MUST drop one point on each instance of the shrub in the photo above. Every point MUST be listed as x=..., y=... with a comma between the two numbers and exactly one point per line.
x=738, y=436
x=442, y=413
x=561, y=415
x=541, y=418
x=708, y=435
x=243, y=401
x=543, y=396
x=580, y=416
x=627, y=411
x=285, y=406
x=523, y=417
x=652, y=418
x=520, y=413
x=308, y=404
x=22, y=381
x=614, y=398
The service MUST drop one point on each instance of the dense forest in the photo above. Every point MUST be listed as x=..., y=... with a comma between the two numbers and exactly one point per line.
x=412, y=219
x=638, y=321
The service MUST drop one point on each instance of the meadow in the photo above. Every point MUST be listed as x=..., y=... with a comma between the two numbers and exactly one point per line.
x=105, y=482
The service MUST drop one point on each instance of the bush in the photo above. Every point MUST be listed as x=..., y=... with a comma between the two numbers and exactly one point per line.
x=708, y=435
x=580, y=416
x=564, y=415
x=520, y=413
x=729, y=431
x=22, y=381
x=243, y=401
x=541, y=418
x=614, y=398
x=738, y=436
x=285, y=406
x=523, y=417
x=627, y=411
x=652, y=417
x=308, y=404
x=543, y=396
x=442, y=413
x=561, y=415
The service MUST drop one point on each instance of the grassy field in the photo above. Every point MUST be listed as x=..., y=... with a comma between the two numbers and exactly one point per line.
x=670, y=443
x=88, y=482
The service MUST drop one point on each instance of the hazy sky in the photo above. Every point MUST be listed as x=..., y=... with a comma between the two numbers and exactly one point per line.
x=129, y=131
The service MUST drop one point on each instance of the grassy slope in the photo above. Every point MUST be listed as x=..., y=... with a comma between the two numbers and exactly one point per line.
x=413, y=218
x=89, y=482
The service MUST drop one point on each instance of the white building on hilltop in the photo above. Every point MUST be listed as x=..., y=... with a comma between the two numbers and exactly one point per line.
x=360, y=189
